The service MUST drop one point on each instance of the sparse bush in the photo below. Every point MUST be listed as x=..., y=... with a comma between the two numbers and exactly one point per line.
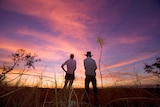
x=20, y=56
x=153, y=68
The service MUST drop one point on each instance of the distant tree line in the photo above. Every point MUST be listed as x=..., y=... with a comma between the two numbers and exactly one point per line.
x=153, y=68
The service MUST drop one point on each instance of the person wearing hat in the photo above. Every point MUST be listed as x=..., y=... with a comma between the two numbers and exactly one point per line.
x=71, y=67
x=90, y=72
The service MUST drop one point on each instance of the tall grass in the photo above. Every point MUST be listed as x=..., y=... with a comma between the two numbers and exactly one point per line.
x=37, y=96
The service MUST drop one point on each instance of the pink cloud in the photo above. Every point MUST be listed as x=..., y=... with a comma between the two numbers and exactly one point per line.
x=51, y=42
x=129, y=39
x=8, y=44
x=55, y=48
x=59, y=15
x=132, y=39
x=133, y=59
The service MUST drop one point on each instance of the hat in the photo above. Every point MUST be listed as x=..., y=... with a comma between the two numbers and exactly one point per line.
x=88, y=54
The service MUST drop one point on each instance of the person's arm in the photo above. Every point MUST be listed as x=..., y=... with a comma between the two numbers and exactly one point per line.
x=75, y=66
x=62, y=66
x=95, y=65
x=84, y=64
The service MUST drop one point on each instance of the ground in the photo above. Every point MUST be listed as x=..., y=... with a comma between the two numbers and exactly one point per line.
x=107, y=97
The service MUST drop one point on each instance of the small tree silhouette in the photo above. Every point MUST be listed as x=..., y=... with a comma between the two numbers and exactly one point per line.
x=18, y=57
x=153, y=68
x=101, y=41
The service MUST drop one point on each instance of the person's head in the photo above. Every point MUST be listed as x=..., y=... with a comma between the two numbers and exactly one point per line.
x=88, y=54
x=71, y=56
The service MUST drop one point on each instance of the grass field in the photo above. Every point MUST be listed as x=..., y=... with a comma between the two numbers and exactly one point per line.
x=107, y=97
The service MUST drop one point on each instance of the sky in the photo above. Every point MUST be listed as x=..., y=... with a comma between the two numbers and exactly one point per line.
x=54, y=29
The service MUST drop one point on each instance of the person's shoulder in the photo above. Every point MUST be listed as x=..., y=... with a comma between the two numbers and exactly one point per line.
x=72, y=60
x=92, y=59
x=67, y=60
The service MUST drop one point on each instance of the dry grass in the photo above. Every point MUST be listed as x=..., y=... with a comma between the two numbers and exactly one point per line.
x=54, y=97
x=109, y=97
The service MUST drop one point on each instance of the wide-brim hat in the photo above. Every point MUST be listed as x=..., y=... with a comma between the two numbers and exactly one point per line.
x=88, y=54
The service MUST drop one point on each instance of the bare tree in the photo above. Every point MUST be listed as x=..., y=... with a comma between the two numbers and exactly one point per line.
x=153, y=68
x=18, y=57
x=101, y=41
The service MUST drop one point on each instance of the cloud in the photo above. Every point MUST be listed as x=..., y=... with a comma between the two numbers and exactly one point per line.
x=133, y=59
x=132, y=39
x=58, y=15
x=8, y=44
x=46, y=45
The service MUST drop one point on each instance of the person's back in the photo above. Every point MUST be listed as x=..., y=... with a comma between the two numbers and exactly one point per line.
x=71, y=66
x=90, y=66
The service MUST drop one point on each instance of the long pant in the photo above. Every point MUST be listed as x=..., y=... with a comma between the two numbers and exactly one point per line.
x=92, y=79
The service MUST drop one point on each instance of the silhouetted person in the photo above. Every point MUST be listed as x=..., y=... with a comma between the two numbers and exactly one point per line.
x=71, y=67
x=90, y=72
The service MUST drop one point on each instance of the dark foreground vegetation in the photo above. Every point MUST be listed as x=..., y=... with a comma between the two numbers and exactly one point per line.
x=107, y=97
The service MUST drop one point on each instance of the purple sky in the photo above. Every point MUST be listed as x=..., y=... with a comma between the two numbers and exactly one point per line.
x=56, y=28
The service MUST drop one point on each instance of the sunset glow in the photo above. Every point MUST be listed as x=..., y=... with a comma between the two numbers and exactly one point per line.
x=54, y=29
